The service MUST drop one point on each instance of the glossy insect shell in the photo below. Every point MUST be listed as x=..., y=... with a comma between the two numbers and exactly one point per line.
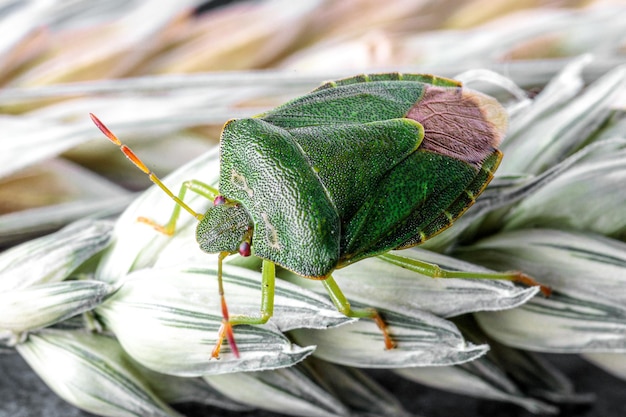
x=358, y=167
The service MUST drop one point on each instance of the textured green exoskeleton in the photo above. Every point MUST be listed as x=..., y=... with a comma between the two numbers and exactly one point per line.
x=353, y=169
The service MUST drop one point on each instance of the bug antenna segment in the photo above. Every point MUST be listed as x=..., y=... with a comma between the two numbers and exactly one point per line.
x=105, y=129
x=125, y=149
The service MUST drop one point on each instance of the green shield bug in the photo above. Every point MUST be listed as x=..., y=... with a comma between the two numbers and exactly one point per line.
x=353, y=169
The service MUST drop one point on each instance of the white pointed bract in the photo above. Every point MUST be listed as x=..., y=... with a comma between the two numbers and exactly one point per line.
x=43, y=305
x=93, y=373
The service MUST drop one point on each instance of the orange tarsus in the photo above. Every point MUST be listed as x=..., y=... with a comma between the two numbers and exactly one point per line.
x=389, y=343
x=545, y=290
x=529, y=281
x=225, y=332
x=159, y=228
x=218, y=345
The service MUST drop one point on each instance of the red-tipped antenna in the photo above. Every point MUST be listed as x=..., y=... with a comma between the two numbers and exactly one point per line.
x=139, y=164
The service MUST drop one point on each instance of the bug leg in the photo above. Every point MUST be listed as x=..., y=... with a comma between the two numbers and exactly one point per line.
x=226, y=329
x=267, y=307
x=197, y=187
x=343, y=305
x=267, y=298
x=435, y=271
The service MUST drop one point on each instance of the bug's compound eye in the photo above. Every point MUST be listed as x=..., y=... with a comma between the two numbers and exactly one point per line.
x=219, y=200
x=244, y=248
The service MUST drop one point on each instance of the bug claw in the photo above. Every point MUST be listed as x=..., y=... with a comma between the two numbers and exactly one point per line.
x=545, y=290
x=530, y=281
x=382, y=325
x=389, y=342
x=225, y=332
x=215, y=353
x=166, y=230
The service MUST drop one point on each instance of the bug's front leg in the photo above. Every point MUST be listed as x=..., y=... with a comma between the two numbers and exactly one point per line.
x=343, y=305
x=267, y=307
x=197, y=187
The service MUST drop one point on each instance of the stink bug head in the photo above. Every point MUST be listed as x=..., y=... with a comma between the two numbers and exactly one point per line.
x=224, y=228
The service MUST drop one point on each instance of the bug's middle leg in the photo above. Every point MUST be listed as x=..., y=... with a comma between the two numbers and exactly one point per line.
x=343, y=305
x=197, y=187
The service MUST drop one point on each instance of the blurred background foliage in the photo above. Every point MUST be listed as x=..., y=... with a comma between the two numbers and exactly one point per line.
x=183, y=68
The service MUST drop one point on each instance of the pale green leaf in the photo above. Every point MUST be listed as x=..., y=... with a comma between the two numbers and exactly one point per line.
x=534, y=374
x=570, y=262
x=585, y=197
x=479, y=379
x=43, y=305
x=562, y=88
x=560, y=324
x=548, y=140
x=91, y=372
x=288, y=391
x=176, y=390
x=503, y=374
x=52, y=258
x=422, y=339
x=615, y=126
x=361, y=393
x=586, y=311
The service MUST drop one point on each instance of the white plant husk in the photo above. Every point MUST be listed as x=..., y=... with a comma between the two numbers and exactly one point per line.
x=157, y=295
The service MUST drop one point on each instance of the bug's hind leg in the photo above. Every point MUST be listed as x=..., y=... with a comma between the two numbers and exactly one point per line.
x=343, y=305
x=435, y=271
x=267, y=307
x=197, y=187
